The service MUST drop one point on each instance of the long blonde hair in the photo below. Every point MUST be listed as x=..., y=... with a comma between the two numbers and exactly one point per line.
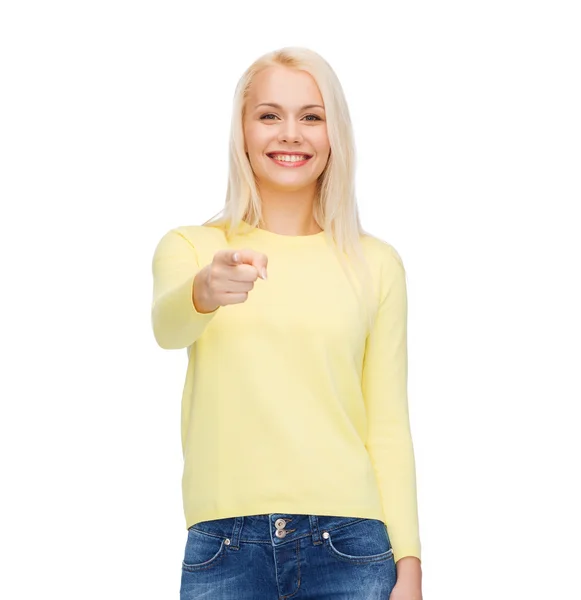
x=335, y=208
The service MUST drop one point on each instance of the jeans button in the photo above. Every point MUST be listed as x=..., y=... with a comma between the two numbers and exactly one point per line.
x=280, y=533
x=280, y=523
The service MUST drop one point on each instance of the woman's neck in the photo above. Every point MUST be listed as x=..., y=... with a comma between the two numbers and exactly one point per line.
x=288, y=213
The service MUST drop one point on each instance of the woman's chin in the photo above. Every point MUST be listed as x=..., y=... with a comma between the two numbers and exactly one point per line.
x=288, y=183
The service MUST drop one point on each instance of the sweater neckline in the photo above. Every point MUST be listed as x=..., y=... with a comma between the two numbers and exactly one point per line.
x=271, y=236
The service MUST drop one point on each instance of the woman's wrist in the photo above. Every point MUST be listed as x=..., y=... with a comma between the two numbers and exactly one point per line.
x=199, y=296
x=409, y=568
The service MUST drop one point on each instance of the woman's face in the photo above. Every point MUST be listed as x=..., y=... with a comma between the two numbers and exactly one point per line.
x=285, y=129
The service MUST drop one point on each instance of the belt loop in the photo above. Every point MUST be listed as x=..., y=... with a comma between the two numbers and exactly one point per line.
x=236, y=530
x=316, y=535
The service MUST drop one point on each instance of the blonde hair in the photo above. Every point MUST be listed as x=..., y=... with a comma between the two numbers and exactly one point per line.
x=335, y=207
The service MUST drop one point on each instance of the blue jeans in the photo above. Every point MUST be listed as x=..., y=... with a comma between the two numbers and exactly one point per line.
x=283, y=555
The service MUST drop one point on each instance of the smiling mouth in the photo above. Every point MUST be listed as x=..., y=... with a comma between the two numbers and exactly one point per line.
x=289, y=160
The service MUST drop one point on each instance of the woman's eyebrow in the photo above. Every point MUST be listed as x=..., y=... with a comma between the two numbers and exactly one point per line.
x=274, y=105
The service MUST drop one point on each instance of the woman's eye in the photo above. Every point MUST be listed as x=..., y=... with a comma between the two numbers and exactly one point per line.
x=271, y=116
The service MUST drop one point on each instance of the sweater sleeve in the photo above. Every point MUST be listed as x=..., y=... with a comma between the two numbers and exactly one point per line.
x=175, y=320
x=384, y=386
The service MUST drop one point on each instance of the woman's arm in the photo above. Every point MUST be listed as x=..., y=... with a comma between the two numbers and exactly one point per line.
x=175, y=320
x=384, y=385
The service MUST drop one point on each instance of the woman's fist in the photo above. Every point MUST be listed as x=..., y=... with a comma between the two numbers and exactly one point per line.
x=228, y=278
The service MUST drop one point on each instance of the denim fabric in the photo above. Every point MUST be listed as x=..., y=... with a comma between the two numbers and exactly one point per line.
x=311, y=557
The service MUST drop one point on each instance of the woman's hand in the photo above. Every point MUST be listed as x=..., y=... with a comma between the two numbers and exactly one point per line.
x=227, y=279
x=405, y=590
x=409, y=579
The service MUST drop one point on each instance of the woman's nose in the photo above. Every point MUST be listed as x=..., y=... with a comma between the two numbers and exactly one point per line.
x=289, y=133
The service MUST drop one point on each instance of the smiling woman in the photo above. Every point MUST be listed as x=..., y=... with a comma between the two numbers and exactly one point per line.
x=288, y=147
x=299, y=471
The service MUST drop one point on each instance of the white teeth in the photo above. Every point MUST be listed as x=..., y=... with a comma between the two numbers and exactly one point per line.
x=289, y=157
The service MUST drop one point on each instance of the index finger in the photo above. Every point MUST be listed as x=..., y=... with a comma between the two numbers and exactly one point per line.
x=251, y=257
x=229, y=257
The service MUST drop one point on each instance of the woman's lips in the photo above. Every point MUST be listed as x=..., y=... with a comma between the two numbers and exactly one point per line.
x=288, y=163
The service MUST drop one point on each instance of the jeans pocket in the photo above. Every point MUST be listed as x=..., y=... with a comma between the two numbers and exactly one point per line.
x=362, y=542
x=203, y=550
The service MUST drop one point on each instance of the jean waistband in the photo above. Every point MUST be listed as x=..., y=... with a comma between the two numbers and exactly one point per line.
x=274, y=528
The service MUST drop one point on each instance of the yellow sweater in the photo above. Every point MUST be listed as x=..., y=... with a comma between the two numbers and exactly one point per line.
x=290, y=404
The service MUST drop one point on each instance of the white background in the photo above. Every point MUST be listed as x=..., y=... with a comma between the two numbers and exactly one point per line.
x=114, y=128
